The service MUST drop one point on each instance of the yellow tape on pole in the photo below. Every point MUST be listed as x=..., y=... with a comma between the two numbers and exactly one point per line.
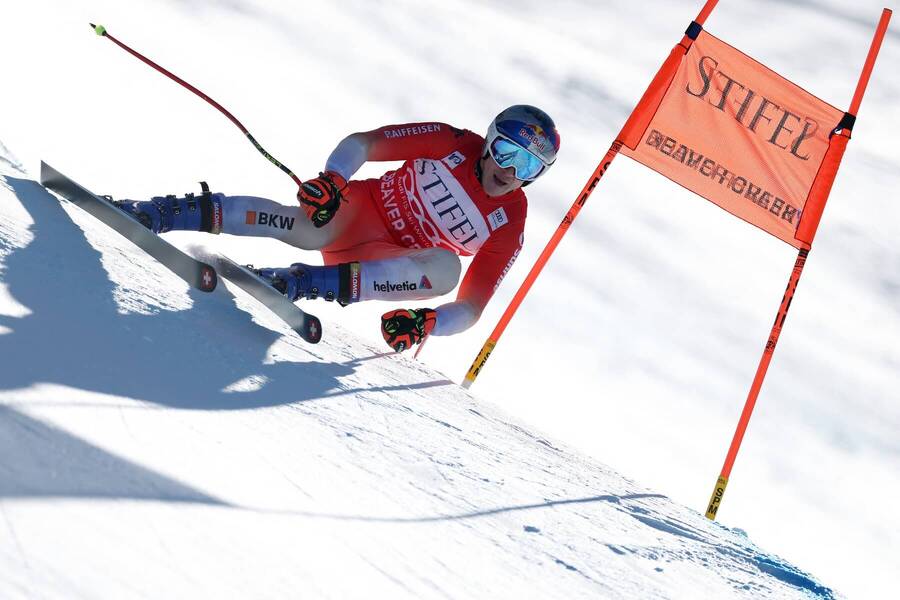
x=716, y=498
x=479, y=363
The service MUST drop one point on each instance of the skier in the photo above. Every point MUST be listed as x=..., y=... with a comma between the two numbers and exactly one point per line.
x=398, y=237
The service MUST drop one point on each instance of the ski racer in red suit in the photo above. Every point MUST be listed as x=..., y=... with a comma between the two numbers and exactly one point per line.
x=398, y=237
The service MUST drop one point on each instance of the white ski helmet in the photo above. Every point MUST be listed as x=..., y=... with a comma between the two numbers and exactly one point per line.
x=523, y=137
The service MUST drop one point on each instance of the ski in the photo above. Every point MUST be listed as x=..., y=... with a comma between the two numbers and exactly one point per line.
x=196, y=273
x=306, y=325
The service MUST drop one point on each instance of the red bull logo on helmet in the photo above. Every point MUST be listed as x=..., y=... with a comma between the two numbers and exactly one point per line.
x=535, y=135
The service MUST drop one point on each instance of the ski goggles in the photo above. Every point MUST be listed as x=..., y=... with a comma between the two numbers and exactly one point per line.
x=527, y=166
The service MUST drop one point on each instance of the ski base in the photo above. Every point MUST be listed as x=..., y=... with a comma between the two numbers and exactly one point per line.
x=196, y=273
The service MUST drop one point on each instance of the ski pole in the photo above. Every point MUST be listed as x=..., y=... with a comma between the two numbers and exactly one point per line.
x=102, y=32
x=419, y=349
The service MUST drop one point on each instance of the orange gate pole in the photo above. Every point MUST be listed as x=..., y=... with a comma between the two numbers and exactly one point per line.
x=806, y=232
x=632, y=130
x=719, y=491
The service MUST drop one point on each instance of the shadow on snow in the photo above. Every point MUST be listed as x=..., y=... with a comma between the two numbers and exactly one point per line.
x=76, y=336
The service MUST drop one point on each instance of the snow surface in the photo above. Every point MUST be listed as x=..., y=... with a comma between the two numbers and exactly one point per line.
x=160, y=442
x=141, y=476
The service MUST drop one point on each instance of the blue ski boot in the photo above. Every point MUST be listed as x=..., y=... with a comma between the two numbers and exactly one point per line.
x=167, y=213
x=299, y=281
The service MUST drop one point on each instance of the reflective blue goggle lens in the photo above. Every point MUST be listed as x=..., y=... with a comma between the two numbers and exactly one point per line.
x=527, y=166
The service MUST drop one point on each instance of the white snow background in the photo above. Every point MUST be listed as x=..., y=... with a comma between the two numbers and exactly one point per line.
x=156, y=442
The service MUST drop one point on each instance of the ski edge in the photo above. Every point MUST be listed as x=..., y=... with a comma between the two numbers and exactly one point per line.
x=195, y=273
x=306, y=325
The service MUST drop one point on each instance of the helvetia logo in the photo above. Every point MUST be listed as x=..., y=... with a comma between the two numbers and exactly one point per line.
x=387, y=286
x=424, y=283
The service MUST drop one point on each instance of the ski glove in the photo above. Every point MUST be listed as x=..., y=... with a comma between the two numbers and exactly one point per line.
x=403, y=329
x=321, y=197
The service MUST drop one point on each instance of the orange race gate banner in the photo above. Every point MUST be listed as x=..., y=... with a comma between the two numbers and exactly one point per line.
x=735, y=132
x=740, y=135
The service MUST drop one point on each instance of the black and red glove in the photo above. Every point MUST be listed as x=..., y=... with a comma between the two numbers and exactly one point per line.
x=404, y=328
x=321, y=197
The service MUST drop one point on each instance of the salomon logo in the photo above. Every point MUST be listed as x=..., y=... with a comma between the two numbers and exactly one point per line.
x=216, y=226
x=354, y=282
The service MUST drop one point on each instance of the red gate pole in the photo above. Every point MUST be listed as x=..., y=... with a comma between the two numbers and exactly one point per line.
x=761, y=370
x=632, y=130
x=805, y=232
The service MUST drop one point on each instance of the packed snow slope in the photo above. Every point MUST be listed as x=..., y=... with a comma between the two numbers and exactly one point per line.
x=639, y=342
x=156, y=441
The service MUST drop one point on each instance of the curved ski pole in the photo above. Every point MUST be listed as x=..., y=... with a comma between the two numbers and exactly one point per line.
x=102, y=32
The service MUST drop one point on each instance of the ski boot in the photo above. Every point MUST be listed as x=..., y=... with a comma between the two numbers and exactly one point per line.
x=299, y=281
x=168, y=213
